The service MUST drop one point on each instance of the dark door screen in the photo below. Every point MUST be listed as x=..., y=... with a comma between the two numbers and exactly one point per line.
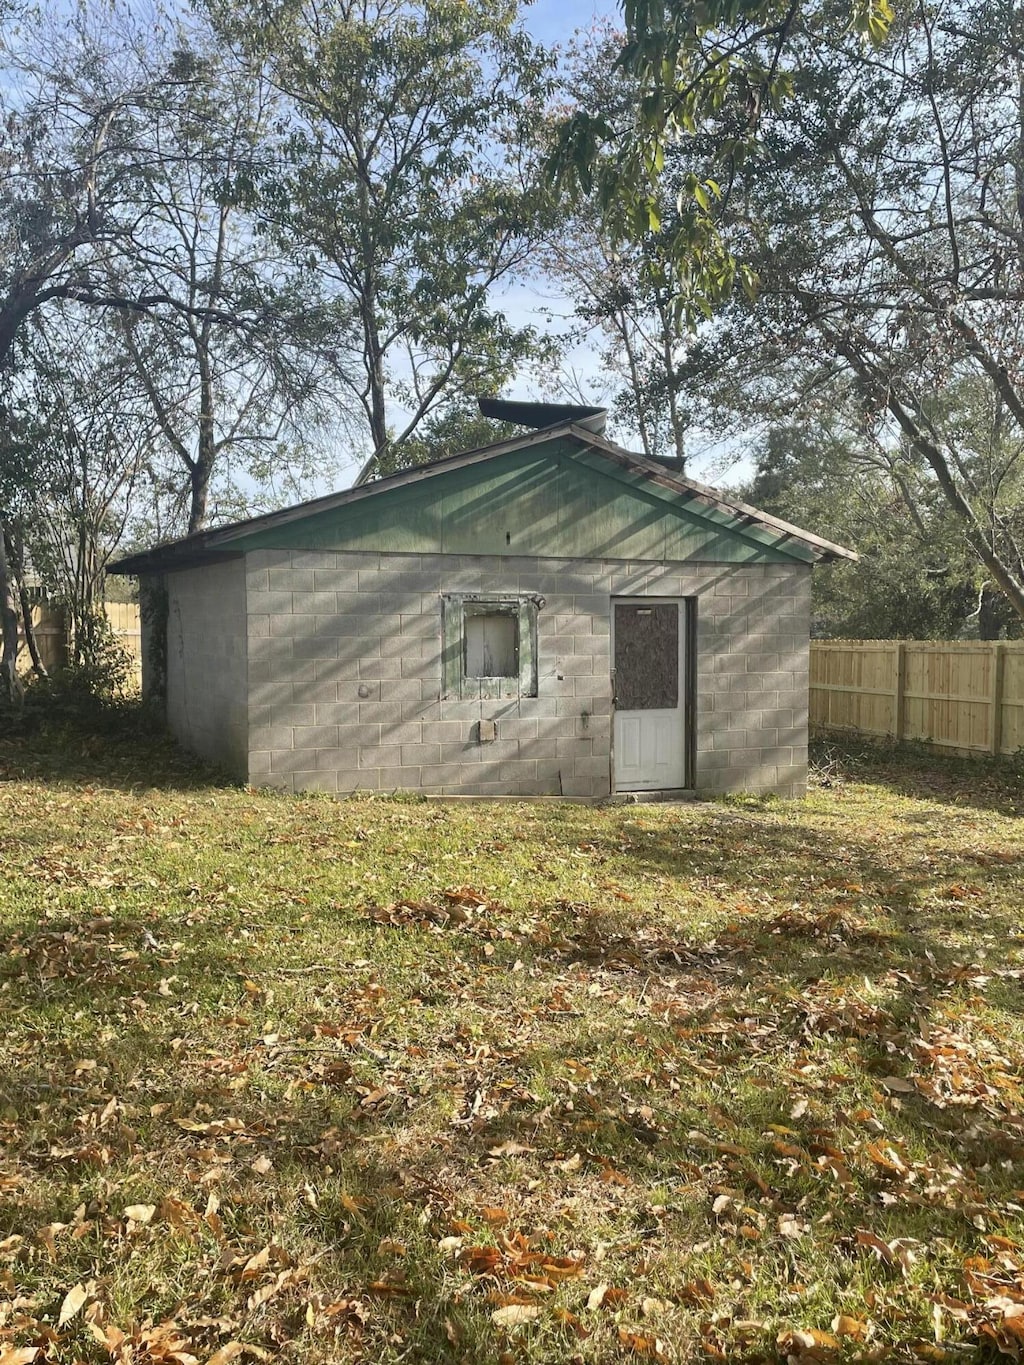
x=646, y=657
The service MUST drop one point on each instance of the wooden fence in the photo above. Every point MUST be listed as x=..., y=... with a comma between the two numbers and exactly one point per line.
x=968, y=697
x=50, y=627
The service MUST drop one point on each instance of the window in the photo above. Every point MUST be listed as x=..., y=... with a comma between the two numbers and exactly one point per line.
x=490, y=646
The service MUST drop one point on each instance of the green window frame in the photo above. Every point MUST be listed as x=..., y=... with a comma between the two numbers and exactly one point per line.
x=456, y=609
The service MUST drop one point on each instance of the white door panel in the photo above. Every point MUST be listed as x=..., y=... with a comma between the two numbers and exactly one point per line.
x=650, y=714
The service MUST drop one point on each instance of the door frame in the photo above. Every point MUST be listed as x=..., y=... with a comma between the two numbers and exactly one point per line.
x=687, y=681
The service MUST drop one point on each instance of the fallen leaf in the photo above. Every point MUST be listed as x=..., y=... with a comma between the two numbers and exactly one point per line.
x=74, y=1301
x=227, y=1352
x=509, y=1149
x=140, y=1213
x=697, y=1292
x=807, y=1345
x=845, y=1326
x=570, y=1320
x=642, y=1345
x=514, y=1314
x=596, y=1296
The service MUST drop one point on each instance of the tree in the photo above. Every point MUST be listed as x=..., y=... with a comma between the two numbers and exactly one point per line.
x=623, y=292
x=915, y=579
x=18, y=467
x=693, y=64
x=89, y=458
x=111, y=136
x=236, y=368
x=409, y=184
x=131, y=159
x=879, y=209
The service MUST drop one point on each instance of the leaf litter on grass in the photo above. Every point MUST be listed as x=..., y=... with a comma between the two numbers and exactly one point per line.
x=665, y=1084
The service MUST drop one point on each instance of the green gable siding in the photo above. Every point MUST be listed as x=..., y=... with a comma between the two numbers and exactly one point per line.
x=550, y=500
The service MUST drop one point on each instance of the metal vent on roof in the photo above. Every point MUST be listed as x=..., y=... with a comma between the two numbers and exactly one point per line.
x=544, y=414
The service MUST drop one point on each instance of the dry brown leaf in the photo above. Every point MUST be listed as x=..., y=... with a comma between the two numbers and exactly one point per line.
x=886, y=1158
x=596, y=1297
x=807, y=1345
x=140, y=1213
x=642, y=1345
x=256, y=1264
x=697, y=1292
x=227, y=1352
x=845, y=1326
x=898, y=1085
x=481, y=1260
x=566, y=1319
x=74, y=1302
x=514, y=1314
x=509, y=1149
x=18, y=1355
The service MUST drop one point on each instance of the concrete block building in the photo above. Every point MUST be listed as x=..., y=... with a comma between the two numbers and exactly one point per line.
x=547, y=616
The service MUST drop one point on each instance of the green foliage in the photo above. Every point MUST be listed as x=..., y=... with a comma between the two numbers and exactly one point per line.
x=624, y=295
x=100, y=666
x=916, y=578
x=879, y=279
x=97, y=695
x=717, y=62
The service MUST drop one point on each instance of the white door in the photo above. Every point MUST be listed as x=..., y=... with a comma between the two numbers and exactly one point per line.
x=648, y=639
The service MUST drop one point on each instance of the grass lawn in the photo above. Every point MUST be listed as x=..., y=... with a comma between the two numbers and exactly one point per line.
x=398, y=1080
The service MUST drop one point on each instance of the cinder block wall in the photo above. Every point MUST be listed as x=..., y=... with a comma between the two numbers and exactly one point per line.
x=345, y=674
x=207, y=663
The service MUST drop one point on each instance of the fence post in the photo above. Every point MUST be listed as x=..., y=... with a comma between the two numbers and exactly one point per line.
x=900, y=690
x=996, y=695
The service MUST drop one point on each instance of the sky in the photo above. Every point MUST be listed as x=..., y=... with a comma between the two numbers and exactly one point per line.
x=555, y=21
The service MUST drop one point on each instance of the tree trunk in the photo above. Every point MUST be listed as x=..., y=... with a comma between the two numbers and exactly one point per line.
x=29, y=631
x=201, y=469
x=10, y=685
x=374, y=361
x=14, y=544
x=991, y=615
